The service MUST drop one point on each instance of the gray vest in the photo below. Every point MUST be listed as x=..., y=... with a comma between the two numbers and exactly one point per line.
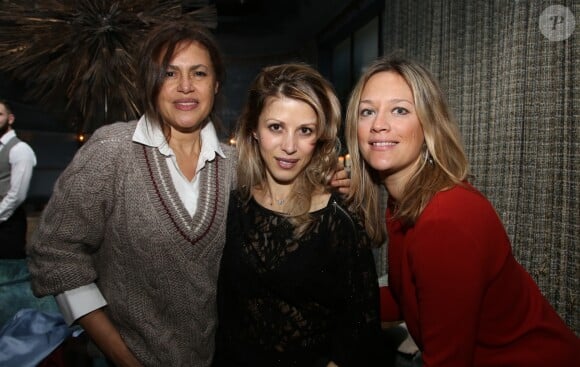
x=5, y=165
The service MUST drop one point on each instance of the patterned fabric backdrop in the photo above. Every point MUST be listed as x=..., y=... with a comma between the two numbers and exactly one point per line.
x=515, y=93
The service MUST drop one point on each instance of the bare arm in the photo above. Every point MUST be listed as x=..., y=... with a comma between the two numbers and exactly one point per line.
x=104, y=334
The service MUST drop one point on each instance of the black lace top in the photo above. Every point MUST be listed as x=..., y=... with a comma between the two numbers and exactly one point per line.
x=287, y=302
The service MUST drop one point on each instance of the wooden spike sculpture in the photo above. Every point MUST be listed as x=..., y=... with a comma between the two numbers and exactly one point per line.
x=82, y=52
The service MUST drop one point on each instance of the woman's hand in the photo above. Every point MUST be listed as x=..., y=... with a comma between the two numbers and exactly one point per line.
x=340, y=180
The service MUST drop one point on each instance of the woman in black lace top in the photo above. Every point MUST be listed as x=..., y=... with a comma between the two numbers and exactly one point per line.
x=297, y=283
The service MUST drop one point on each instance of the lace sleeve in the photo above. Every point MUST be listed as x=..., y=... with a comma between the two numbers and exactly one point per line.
x=357, y=323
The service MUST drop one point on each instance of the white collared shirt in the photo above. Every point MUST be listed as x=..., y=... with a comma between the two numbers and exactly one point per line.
x=22, y=161
x=78, y=302
x=151, y=135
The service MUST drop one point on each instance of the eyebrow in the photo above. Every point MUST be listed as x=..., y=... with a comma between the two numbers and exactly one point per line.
x=192, y=67
x=396, y=100
x=310, y=124
x=281, y=122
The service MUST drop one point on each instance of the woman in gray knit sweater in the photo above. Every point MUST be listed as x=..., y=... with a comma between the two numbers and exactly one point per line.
x=131, y=239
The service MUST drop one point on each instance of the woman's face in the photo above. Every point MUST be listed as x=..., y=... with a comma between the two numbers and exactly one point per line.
x=187, y=95
x=390, y=135
x=287, y=136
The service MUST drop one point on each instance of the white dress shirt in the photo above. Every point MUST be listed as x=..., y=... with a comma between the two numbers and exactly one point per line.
x=22, y=160
x=80, y=301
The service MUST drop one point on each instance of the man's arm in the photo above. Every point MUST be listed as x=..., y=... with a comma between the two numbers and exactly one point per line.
x=22, y=161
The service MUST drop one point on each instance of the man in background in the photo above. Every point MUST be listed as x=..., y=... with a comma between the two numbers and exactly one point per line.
x=17, y=160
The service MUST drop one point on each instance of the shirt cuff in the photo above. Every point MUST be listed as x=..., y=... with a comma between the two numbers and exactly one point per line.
x=80, y=301
x=408, y=346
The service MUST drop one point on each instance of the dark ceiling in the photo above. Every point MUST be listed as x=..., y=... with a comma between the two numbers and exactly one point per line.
x=278, y=25
x=247, y=29
x=255, y=16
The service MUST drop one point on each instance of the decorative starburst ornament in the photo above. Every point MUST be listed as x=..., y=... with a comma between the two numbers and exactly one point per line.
x=83, y=51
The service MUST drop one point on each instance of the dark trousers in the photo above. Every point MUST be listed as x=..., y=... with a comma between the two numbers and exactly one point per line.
x=13, y=236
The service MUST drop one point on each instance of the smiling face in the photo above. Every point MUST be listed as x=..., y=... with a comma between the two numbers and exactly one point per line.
x=187, y=95
x=390, y=135
x=286, y=135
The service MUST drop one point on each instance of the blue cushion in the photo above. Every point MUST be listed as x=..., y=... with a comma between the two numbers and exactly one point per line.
x=15, y=292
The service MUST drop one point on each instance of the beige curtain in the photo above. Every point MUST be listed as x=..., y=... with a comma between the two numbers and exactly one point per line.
x=515, y=93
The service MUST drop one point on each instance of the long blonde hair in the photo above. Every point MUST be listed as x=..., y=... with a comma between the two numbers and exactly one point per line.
x=300, y=82
x=445, y=161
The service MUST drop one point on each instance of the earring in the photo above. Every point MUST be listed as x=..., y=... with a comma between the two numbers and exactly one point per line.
x=427, y=157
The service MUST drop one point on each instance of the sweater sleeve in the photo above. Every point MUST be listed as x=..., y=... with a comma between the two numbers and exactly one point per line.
x=449, y=267
x=72, y=224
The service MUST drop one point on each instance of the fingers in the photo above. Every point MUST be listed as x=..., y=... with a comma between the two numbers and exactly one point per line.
x=340, y=180
x=343, y=186
x=341, y=183
x=340, y=174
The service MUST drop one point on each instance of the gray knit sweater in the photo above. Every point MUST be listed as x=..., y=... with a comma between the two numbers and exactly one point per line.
x=115, y=219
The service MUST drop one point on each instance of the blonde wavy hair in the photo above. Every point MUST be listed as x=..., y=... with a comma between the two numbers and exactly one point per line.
x=445, y=163
x=300, y=82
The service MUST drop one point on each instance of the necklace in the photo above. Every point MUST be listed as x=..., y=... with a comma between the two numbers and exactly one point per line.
x=279, y=202
x=269, y=199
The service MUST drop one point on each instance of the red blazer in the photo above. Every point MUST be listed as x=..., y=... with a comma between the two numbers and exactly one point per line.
x=464, y=297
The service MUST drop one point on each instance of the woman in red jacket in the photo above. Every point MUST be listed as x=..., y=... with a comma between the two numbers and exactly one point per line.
x=452, y=276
